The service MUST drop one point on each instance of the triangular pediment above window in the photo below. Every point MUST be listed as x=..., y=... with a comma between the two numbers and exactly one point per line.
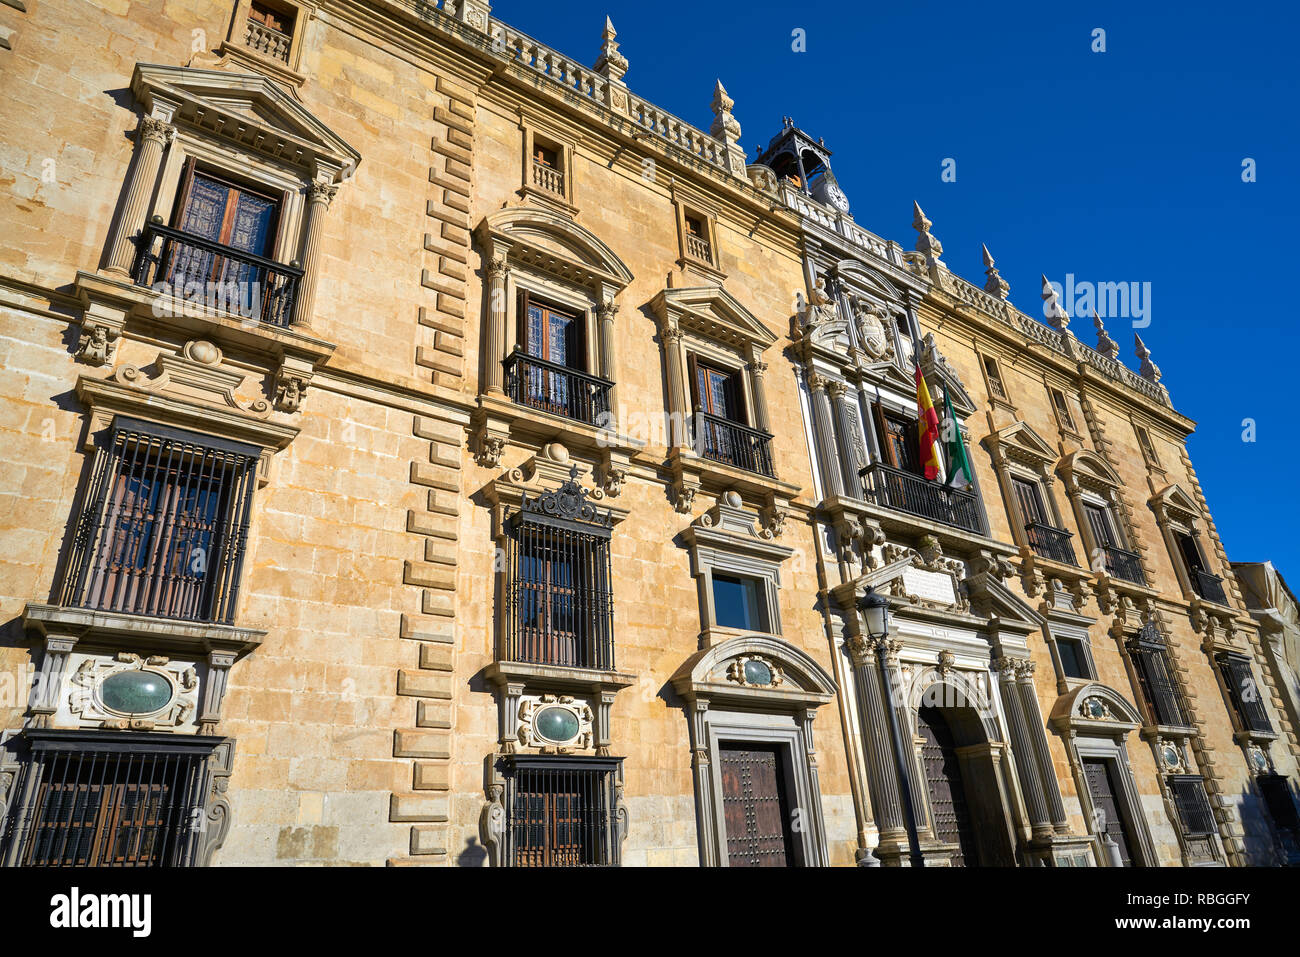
x=1020, y=443
x=713, y=313
x=1088, y=470
x=250, y=110
x=1177, y=504
x=551, y=242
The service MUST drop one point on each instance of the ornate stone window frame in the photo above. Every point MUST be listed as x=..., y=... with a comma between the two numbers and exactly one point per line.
x=1094, y=721
x=1176, y=511
x=1003, y=402
x=1151, y=456
x=1017, y=450
x=533, y=130
x=541, y=250
x=221, y=121
x=687, y=203
x=1089, y=480
x=1062, y=625
x=729, y=539
x=721, y=708
x=710, y=322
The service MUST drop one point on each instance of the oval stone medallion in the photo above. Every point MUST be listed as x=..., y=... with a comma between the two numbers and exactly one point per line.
x=135, y=692
x=556, y=724
x=757, y=673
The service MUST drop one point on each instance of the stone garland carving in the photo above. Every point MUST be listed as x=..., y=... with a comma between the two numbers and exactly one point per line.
x=85, y=699
x=531, y=708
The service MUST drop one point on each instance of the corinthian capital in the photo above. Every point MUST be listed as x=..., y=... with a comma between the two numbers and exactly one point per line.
x=320, y=192
x=155, y=130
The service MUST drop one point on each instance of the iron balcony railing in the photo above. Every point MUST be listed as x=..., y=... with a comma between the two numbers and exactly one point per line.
x=1123, y=564
x=732, y=443
x=905, y=492
x=1209, y=587
x=216, y=277
x=551, y=387
x=1051, y=543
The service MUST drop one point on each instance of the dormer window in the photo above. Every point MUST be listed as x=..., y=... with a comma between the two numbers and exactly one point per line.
x=697, y=239
x=547, y=167
x=1147, y=446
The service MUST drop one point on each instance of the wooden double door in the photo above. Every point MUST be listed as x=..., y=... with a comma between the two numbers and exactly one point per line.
x=949, y=803
x=756, y=805
x=1100, y=775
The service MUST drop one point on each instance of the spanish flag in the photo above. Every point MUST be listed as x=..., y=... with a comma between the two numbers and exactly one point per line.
x=927, y=426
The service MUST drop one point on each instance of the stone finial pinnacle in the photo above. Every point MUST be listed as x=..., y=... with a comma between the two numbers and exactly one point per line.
x=995, y=284
x=1053, y=310
x=610, y=63
x=1105, y=344
x=724, y=125
x=926, y=242
x=1148, y=370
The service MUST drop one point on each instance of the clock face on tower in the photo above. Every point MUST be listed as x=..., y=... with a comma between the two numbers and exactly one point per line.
x=836, y=197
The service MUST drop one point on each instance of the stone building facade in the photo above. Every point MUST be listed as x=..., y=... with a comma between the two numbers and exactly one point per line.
x=422, y=450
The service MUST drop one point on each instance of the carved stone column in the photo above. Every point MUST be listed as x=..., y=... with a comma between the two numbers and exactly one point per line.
x=846, y=425
x=45, y=702
x=882, y=765
x=704, y=811
x=757, y=368
x=888, y=649
x=219, y=664
x=154, y=135
x=677, y=404
x=605, y=313
x=1031, y=783
x=319, y=197
x=494, y=335
x=1033, y=718
x=824, y=436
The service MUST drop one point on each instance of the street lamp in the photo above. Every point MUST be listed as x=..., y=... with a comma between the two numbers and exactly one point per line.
x=875, y=615
x=875, y=610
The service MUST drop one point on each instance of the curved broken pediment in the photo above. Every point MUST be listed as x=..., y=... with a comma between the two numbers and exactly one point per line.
x=549, y=241
x=1097, y=709
x=755, y=665
x=1088, y=470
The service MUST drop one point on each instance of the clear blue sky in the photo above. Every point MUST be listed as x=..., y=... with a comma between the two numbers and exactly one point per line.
x=1116, y=166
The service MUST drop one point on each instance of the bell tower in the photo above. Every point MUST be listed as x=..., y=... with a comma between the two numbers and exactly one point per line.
x=804, y=163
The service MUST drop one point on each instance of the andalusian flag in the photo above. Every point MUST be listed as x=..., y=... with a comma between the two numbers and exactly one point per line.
x=959, y=470
x=927, y=426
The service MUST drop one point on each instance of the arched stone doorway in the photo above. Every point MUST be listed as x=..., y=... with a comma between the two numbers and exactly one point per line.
x=962, y=767
x=944, y=783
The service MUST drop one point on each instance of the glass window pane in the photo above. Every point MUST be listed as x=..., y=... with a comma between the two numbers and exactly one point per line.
x=736, y=603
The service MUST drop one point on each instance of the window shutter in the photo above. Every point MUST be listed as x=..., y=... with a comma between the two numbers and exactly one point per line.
x=183, y=192
x=1245, y=693
x=1192, y=804
x=1099, y=522
x=521, y=322
x=693, y=370
x=1029, y=500
x=1162, y=695
x=1278, y=798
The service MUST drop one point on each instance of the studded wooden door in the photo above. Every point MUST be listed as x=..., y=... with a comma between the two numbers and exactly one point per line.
x=1101, y=787
x=947, y=792
x=756, y=807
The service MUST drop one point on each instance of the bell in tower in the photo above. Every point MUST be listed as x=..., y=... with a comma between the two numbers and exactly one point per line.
x=804, y=164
